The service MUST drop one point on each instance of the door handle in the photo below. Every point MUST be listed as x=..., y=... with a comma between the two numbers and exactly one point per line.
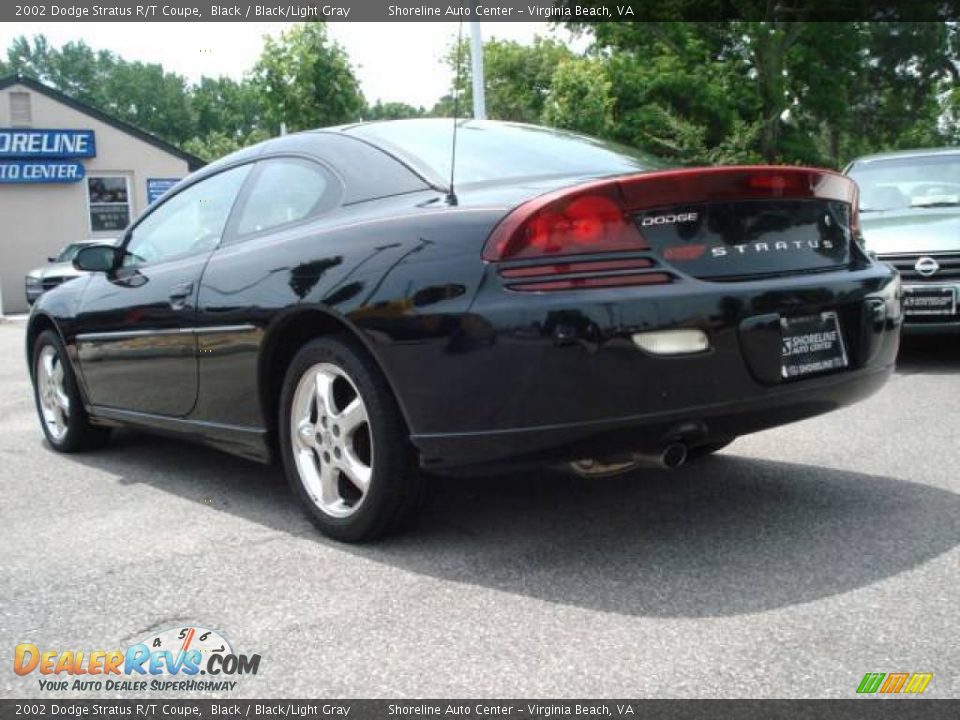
x=179, y=294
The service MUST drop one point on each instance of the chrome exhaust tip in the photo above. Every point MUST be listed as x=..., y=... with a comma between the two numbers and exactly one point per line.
x=672, y=456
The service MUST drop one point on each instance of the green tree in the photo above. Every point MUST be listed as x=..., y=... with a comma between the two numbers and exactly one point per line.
x=392, y=111
x=142, y=94
x=518, y=78
x=147, y=96
x=224, y=105
x=216, y=144
x=304, y=80
x=580, y=98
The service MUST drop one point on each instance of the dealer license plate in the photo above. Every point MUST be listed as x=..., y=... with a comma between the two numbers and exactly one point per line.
x=929, y=300
x=812, y=344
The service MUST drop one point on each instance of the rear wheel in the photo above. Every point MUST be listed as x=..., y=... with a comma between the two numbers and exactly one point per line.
x=64, y=420
x=344, y=443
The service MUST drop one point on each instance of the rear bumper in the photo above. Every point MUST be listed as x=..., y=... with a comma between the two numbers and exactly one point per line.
x=930, y=328
x=651, y=432
x=555, y=375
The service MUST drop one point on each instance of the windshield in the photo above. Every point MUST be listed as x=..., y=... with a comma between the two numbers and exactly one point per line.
x=69, y=252
x=493, y=151
x=909, y=182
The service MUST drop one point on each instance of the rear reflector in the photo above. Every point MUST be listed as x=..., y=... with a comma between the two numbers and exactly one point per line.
x=684, y=341
x=595, y=282
x=575, y=267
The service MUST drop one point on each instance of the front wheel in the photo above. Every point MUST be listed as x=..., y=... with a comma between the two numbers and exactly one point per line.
x=63, y=418
x=344, y=443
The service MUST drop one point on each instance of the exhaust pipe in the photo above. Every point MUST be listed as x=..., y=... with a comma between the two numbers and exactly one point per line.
x=672, y=456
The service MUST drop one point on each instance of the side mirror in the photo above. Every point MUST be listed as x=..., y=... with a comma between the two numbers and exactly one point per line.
x=97, y=258
x=51, y=259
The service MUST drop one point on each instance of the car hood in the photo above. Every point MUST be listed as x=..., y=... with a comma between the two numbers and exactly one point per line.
x=56, y=270
x=917, y=230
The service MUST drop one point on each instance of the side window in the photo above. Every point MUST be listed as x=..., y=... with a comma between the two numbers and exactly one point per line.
x=190, y=222
x=285, y=191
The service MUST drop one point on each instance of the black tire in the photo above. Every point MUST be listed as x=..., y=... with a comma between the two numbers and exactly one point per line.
x=702, y=451
x=80, y=434
x=396, y=486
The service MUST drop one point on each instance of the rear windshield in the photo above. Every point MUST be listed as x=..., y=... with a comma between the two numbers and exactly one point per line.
x=493, y=151
x=908, y=182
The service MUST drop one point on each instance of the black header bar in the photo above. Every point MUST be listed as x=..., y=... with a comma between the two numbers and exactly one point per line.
x=586, y=11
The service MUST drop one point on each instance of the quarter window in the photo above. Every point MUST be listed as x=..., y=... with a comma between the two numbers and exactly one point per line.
x=284, y=191
x=190, y=222
x=109, y=201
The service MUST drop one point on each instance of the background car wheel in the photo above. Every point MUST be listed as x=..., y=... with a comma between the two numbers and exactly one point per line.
x=63, y=418
x=344, y=443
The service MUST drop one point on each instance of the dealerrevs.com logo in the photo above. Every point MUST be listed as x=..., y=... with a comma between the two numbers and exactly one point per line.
x=181, y=659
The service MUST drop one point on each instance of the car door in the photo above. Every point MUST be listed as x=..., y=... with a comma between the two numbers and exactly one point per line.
x=135, y=336
x=272, y=258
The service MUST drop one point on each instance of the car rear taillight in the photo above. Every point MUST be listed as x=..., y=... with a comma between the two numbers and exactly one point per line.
x=566, y=223
x=604, y=216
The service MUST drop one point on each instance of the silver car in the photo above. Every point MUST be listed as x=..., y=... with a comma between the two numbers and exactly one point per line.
x=910, y=216
x=60, y=269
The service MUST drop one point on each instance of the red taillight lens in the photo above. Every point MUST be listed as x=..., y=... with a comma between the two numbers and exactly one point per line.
x=572, y=225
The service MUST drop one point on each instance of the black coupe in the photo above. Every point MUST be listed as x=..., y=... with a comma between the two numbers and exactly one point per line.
x=332, y=299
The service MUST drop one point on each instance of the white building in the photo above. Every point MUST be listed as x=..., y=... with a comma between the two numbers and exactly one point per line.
x=69, y=172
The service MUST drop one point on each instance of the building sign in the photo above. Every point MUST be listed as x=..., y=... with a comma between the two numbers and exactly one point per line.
x=29, y=156
x=156, y=187
x=40, y=171
x=29, y=143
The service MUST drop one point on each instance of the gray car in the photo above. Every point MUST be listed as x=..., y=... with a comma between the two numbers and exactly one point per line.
x=910, y=215
x=59, y=270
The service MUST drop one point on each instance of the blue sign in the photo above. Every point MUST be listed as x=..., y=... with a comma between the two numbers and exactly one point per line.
x=40, y=171
x=156, y=187
x=30, y=143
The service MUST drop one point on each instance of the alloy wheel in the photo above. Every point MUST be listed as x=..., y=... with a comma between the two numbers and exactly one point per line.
x=54, y=401
x=331, y=440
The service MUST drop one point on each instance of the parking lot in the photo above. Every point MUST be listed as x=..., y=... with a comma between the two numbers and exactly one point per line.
x=787, y=566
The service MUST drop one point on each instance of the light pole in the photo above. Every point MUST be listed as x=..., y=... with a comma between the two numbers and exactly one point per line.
x=476, y=65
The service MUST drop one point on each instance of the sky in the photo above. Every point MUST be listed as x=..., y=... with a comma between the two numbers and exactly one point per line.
x=394, y=61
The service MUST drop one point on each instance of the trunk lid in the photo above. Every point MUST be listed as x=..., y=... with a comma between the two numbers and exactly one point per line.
x=740, y=222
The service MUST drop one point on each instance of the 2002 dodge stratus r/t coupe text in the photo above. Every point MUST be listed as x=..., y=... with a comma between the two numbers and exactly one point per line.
x=328, y=298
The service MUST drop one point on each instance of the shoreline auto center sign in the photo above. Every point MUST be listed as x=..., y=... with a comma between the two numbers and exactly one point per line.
x=44, y=156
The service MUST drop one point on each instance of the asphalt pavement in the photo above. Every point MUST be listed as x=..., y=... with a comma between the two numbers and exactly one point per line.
x=787, y=566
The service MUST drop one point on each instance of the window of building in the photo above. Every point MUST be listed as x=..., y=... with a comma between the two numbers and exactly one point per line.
x=285, y=191
x=109, y=201
x=20, y=115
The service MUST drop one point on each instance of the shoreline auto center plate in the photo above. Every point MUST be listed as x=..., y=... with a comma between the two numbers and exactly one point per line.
x=811, y=345
x=929, y=300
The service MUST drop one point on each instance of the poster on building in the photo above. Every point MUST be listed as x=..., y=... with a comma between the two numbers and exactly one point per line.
x=109, y=199
x=157, y=188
